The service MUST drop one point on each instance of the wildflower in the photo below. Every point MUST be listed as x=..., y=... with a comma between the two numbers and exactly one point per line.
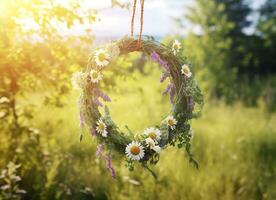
x=150, y=142
x=171, y=89
x=152, y=145
x=134, y=151
x=99, y=150
x=101, y=128
x=101, y=58
x=191, y=104
x=185, y=70
x=99, y=93
x=109, y=166
x=95, y=76
x=155, y=56
x=176, y=47
x=157, y=149
x=171, y=122
x=153, y=133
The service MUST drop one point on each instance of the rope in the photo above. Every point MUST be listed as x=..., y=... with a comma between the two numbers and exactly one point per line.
x=141, y=20
x=132, y=18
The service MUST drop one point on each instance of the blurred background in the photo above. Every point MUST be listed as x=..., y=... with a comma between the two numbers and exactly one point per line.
x=232, y=47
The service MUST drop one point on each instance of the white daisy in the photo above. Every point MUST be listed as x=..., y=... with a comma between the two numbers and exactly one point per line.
x=176, y=47
x=150, y=142
x=185, y=70
x=152, y=145
x=135, y=151
x=95, y=76
x=101, y=58
x=171, y=122
x=101, y=128
x=78, y=80
x=153, y=133
x=157, y=149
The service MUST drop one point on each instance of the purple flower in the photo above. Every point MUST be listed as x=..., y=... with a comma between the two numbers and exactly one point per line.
x=99, y=151
x=155, y=56
x=99, y=93
x=172, y=93
x=191, y=104
x=108, y=165
x=170, y=89
x=97, y=102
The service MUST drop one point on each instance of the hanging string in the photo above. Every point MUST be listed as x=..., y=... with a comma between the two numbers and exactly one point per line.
x=132, y=18
x=141, y=20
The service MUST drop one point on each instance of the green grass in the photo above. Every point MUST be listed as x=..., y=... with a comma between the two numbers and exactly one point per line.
x=235, y=146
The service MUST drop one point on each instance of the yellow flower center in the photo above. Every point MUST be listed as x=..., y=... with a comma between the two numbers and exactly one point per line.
x=186, y=70
x=94, y=75
x=171, y=122
x=135, y=150
x=152, y=135
x=101, y=126
x=102, y=57
x=175, y=47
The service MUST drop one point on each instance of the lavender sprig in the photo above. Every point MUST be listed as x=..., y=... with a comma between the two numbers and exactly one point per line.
x=99, y=151
x=99, y=93
x=155, y=56
x=191, y=104
x=97, y=102
x=109, y=166
x=171, y=90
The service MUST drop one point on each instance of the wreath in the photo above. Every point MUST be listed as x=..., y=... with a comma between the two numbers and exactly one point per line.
x=175, y=129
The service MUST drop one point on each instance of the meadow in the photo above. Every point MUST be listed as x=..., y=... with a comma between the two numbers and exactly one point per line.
x=43, y=43
x=234, y=145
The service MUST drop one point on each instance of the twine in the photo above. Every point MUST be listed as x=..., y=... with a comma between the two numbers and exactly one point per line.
x=141, y=20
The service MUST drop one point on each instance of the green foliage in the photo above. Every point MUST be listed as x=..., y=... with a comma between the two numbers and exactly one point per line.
x=230, y=64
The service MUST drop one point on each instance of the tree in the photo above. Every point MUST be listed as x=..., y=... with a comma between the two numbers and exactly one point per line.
x=36, y=56
x=210, y=49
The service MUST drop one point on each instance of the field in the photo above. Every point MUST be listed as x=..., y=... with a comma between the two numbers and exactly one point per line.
x=234, y=145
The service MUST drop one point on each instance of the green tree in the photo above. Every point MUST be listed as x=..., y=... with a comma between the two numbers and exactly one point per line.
x=209, y=50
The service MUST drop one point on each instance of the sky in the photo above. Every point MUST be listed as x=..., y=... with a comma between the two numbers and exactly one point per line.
x=159, y=17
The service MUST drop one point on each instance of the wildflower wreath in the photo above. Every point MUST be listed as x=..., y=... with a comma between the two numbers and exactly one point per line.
x=175, y=129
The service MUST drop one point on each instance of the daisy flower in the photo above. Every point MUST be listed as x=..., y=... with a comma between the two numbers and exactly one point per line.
x=157, y=149
x=95, y=76
x=101, y=58
x=176, y=47
x=185, y=70
x=152, y=145
x=150, y=142
x=153, y=133
x=171, y=122
x=134, y=151
x=101, y=128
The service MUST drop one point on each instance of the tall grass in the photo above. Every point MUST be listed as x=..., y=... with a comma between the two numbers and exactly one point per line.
x=235, y=146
